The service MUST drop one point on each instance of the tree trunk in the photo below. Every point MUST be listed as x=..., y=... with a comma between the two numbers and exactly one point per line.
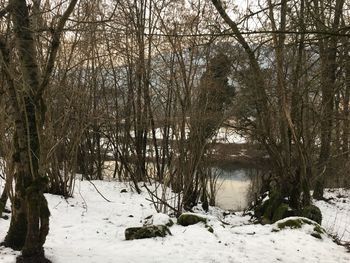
x=28, y=207
x=30, y=214
x=328, y=55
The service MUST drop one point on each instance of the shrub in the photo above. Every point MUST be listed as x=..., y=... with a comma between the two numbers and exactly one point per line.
x=312, y=212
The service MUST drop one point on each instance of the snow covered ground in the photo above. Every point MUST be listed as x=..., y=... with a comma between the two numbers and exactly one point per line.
x=224, y=135
x=227, y=135
x=336, y=213
x=87, y=229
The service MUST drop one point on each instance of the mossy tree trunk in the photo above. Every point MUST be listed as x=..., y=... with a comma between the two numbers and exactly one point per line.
x=26, y=226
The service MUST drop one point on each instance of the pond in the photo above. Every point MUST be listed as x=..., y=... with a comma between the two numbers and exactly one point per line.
x=234, y=187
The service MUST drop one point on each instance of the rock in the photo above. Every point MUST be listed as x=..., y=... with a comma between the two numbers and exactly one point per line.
x=162, y=219
x=316, y=235
x=146, y=232
x=158, y=219
x=210, y=229
x=148, y=221
x=187, y=219
x=170, y=223
x=298, y=222
x=273, y=209
x=5, y=217
x=123, y=191
x=312, y=212
x=226, y=213
x=292, y=223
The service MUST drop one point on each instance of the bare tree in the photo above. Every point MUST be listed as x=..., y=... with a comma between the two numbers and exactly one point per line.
x=30, y=215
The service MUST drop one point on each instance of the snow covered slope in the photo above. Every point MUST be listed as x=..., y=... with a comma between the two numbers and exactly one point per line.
x=87, y=229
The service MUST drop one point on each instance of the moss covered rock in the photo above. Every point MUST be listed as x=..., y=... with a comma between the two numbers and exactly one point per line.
x=298, y=222
x=161, y=219
x=209, y=228
x=312, y=212
x=292, y=223
x=146, y=232
x=170, y=223
x=187, y=219
x=273, y=209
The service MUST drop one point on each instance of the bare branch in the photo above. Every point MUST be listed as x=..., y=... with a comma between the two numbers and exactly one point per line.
x=54, y=47
x=4, y=11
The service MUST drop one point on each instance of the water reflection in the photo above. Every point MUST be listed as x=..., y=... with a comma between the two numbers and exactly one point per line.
x=233, y=185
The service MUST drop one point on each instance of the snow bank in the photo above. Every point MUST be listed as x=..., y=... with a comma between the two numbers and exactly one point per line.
x=88, y=229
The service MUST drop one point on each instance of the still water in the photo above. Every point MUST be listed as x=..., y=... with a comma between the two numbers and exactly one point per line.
x=233, y=187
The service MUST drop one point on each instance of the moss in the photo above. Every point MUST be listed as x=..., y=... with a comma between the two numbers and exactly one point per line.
x=267, y=210
x=319, y=229
x=280, y=213
x=316, y=235
x=146, y=232
x=312, y=212
x=190, y=219
x=298, y=222
x=210, y=229
x=274, y=202
x=265, y=221
x=292, y=223
x=170, y=223
x=17, y=232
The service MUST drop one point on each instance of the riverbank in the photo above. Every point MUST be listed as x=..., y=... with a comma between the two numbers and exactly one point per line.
x=88, y=229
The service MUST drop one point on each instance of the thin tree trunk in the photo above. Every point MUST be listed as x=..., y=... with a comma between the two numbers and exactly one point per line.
x=328, y=55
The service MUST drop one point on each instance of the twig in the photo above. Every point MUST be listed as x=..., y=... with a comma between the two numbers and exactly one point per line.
x=57, y=204
x=86, y=207
x=109, y=201
x=159, y=199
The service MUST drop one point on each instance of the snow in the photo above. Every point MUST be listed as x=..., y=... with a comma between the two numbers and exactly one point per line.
x=88, y=229
x=224, y=135
x=160, y=219
x=336, y=213
x=227, y=135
